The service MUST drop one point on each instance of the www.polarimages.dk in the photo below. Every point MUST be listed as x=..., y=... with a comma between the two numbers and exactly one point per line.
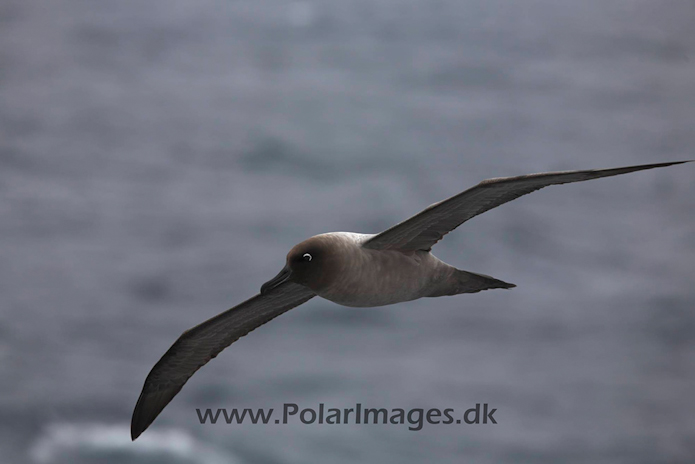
x=414, y=417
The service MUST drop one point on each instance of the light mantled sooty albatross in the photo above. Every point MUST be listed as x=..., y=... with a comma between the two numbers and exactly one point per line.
x=352, y=270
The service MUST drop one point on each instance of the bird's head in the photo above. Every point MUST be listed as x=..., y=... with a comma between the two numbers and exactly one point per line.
x=310, y=263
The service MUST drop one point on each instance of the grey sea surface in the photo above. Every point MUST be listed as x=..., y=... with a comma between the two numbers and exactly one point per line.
x=158, y=158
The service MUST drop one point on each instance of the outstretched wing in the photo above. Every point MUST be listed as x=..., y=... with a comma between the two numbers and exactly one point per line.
x=426, y=228
x=197, y=346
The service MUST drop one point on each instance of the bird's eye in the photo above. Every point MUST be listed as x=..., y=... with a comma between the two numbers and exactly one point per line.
x=307, y=257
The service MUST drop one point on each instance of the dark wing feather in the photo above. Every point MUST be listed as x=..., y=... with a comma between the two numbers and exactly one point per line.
x=426, y=228
x=197, y=346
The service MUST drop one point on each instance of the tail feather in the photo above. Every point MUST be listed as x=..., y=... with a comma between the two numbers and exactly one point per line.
x=470, y=282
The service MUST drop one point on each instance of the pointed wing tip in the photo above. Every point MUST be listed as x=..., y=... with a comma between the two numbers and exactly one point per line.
x=643, y=167
x=141, y=420
x=657, y=165
x=137, y=425
x=135, y=433
x=148, y=408
x=672, y=163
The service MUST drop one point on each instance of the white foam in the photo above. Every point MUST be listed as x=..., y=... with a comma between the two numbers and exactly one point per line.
x=64, y=439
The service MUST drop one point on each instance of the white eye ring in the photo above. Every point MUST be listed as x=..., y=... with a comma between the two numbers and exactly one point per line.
x=306, y=256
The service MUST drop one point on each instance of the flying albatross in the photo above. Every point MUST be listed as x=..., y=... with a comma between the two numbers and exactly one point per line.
x=353, y=270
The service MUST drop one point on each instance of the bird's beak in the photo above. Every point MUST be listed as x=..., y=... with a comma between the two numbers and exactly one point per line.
x=282, y=277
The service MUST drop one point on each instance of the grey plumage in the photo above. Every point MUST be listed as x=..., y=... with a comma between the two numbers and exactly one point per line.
x=198, y=345
x=354, y=270
x=426, y=228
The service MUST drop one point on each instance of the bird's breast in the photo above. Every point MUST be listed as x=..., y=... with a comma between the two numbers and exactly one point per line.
x=380, y=277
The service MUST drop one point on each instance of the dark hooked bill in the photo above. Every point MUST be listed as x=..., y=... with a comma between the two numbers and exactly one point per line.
x=282, y=277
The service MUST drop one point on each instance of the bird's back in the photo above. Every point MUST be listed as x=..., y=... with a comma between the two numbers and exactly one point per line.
x=367, y=277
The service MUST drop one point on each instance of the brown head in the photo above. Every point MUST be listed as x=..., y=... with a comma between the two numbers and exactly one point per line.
x=311, y=263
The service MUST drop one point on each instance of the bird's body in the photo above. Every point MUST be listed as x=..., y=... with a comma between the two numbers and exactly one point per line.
x=351, y=269
x=374, y=278
x=362, y=277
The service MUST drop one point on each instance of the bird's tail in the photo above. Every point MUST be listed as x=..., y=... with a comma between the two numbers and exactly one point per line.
x=470, y=282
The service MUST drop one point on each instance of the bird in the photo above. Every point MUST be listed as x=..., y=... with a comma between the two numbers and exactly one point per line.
x=352, y=269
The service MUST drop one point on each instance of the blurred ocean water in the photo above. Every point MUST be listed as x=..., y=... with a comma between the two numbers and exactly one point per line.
x=159, y=158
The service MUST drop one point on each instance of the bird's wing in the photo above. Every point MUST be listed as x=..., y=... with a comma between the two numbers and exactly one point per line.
x=426, y=228
x=197, y=346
